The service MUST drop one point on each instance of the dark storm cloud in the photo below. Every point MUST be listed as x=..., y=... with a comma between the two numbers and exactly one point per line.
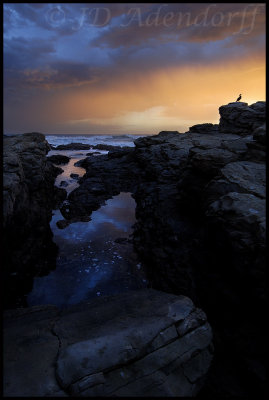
x=21, y=53
x=60, y=74
x=184, y=22
x=56, y=75
x=136, y=37
x=62, y=18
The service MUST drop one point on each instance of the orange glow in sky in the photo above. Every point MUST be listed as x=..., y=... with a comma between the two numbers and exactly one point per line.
x=108, y=84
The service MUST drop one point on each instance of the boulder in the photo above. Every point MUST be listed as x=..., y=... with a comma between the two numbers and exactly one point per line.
x=64, y=183
x=108, y=147
x=74, y=176
x=119, y=152
x=63, y=223
x=239, y=118
x=74, y=146
x=241, y=177
x=93, y=153
x=204, y=128
x=58, y=159
x=209, y=161
x=234, y=210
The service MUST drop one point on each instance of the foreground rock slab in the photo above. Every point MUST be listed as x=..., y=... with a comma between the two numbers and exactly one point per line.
x=30, y=352
x=139, y=343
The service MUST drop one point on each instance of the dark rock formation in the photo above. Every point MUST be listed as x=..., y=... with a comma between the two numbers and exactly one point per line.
x=257, y=146
x=28, y=198
x=204, y=128
x=59, y=195
x=139, y=343
x=73, y=146
x=200, y=232
x=96, y=185
x=260, y=135
x=63, y=183
x=74, y=176
x=200, y=228
x=30, y=352
x=241, y=119
x=63, y=223
x=108, y=147
x=58, y=159
x=93, y=153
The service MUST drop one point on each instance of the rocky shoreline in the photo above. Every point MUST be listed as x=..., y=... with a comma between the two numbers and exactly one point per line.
x=29, y=195
x=200, y=232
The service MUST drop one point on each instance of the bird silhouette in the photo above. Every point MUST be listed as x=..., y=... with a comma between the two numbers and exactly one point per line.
x=239, y=98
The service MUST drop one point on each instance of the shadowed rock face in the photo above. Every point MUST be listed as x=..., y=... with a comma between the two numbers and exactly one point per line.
x=201, y=231
x=140, y=343
x=73, y=146
x=204, y=128
x=241, y=119
x=28, y=197
x=58, y=159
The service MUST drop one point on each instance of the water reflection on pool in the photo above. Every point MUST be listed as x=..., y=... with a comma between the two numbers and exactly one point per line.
x=64, y=179
x=90, y=263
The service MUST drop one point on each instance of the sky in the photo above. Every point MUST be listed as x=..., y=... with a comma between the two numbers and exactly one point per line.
x=128, y=68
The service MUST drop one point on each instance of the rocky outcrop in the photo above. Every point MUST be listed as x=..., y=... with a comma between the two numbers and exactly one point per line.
x=204, y=128
x=73, y=146
x=108, y=147
x=241, y=119
x=84, y=146
x=96, y=185
x=58, y=159
x=201, y=232
x=139, y=343
x=93, y=153
x=28, y=197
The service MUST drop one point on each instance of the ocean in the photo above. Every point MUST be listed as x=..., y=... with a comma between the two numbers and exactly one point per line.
x=113, y=140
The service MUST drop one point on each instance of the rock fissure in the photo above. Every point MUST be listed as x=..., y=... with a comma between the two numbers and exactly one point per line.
x=54, y=332
x=124, y=364
x=131, y=361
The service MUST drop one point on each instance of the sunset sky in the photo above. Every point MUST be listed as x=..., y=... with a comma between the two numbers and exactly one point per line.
x=128, y=68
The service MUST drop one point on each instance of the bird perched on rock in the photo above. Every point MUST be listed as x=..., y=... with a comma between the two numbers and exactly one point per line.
x=239, y=98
